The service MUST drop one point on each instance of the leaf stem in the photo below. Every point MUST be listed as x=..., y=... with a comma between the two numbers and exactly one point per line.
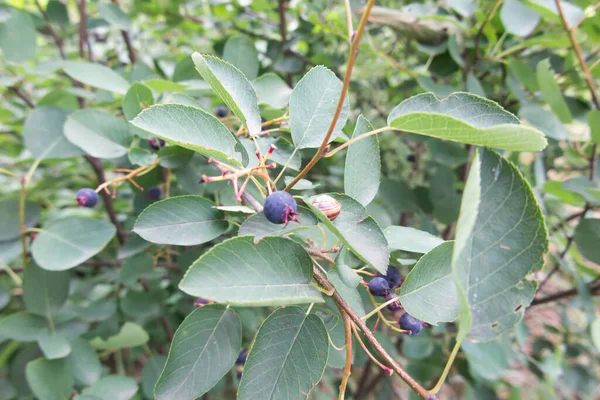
x=356, y=139
x=371, y=356
x=349, y=19
x=348, y=365
x=449, y=363
x=379, y=308
x=340, y=105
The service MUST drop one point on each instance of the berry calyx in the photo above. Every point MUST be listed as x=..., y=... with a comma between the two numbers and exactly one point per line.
x=221, y=112
x=395, y=306
x=411, y=324
x=379, y=286
x=393, y=277
x=154, y=193
x=156, y=143
x=86, y=197
x=280, y=208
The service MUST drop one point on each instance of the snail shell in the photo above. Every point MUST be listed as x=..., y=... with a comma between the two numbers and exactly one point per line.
x=328, y=206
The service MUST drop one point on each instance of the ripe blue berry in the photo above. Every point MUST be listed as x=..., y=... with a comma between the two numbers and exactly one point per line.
x=395, y=306
x=280, y=208
x=393, y=277
x=221, y=112
x=379, y=286
x=156, y=143
x=242, y=357
x=86, y=197
x=409, y=323
x=411, y=158
x=154, y=193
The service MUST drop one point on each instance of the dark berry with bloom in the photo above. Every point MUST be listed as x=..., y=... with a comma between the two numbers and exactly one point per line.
x=280, y=208
x=379, y=286
x=86, y=197
x=221, y=112
x=154, y=193
x=395, y=306
x=393, y=277
x=156, y=143
x=411, y=324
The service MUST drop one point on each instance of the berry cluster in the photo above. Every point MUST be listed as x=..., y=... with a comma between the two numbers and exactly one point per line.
x=156, y=143
x=382, y=286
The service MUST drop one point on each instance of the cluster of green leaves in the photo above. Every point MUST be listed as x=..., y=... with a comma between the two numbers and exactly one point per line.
x=96, y=295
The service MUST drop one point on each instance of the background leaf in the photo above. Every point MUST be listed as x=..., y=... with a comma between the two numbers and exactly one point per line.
x=551, y=92
x=312, y=105
x=130, y=335
x=84, y=363
x=240, y=52
x=44, y=292
x=587, y=237
x=113, y=387
x=44, y=136
x=96, y=75
x=276, y=271
x=66, y=243
x=490, y=270
x=465, y=118
x=204, y=348
x=181, y=220
x=272, y=90
x=9, y=218
x=362, y=172
x=260, y=227
x=18, y=36
x=410, y=239
x=288, y=356
x=50, y=379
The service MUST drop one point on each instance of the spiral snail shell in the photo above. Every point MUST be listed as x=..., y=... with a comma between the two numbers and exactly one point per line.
x=328, y=206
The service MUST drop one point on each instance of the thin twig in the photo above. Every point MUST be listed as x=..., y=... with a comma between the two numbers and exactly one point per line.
x=477, y=38
x=348, y=365
x=22, y=96
x=283, y=32
x=349, y=19
x=593, y=287
x=130, y=50
x=57, y=39
x=340, y=105
x=82, y=28
x=344, y=307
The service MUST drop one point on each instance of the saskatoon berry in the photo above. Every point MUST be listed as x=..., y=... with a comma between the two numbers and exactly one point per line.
x=154, y=193
x=409, y=323
x=393, y=277
x=242, y=357
x=395, y=306
x=378, y=286
x=221, y=112
x=411, y=158
x=86, y=197
x=156, y=143
x=280, y=208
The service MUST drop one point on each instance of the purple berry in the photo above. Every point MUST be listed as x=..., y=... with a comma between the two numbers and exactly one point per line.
x=280, y=208
x=239, y=374
x=409, y=323
x=154, y=193
x=393, y=277
x=395, y=306
x=379, y=286
x=156, y=143
x=201, y=302
x=242, y=357
x=86, y=197
x=411, y=158
x=221, y=112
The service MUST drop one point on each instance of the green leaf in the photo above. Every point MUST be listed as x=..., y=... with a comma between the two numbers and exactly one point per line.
x=348, y=276
x=10, y=227
x=141, y=157
x=357, y=230
x=362, y=172
x=288, y=357
x=587, y=238
x=98, y=133
x=490, y=270
x=114, y=15
x=18, y=36
x=595, y=333
x=524, y=73
x=44, y=136
x=551, y=92
x=349, y=294
x=410, y=239
x=44, y=292
x=544, y=120
x=174, y=156
x=84, y=363
x=204, y=349
x=182, y=220
x=233, y=88
x=260, y=227
x=22, y=327
x=163, y=85
x=67, y=242
x=594, y=121
x=312, y=105
x=49, y=379
x=548, y=10
x=130, y=335
x=486, y=360
x=150, y=374
x=429, y=292
x=240, y=52
x=133, y=268
x=138, y=98
x=113, y=387
x=465, y=118
x=276, y=271
x=517, y=18
x=96, y=75
x=190, y=128
x=584, y=187
x=53, y=345
x=272, y=90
